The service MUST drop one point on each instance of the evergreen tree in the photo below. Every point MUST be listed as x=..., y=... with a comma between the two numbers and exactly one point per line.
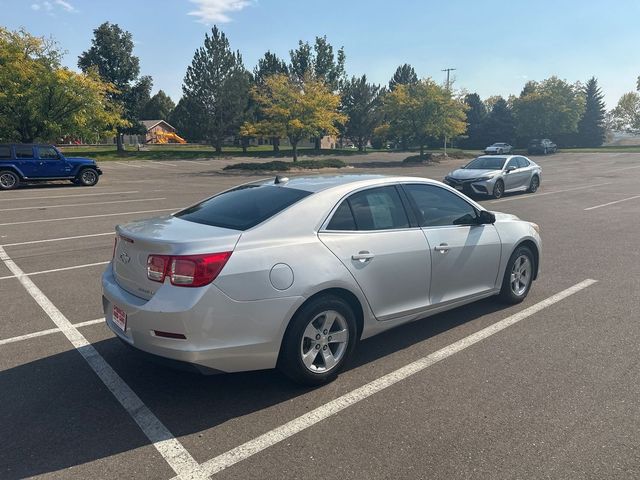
x=361, y=103
x=159, y=107
x=476, y=116
x=218, y=84
x=111, y=54
x=499, y=125
x=591, y=126
x=404, y=75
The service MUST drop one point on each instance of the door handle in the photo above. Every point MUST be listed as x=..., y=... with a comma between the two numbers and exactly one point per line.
x=363, y=256
x=442, y=248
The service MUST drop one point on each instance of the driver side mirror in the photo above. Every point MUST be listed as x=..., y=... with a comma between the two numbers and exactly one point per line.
x=511, y=168
x=486, y=217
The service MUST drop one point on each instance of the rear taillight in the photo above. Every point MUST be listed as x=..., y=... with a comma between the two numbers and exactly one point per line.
x=186, y=270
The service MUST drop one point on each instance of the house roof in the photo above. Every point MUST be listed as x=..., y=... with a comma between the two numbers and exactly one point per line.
x=149, y=124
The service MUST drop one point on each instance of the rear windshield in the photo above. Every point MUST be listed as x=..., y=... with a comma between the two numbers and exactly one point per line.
x=243, y=207
x=486, y=163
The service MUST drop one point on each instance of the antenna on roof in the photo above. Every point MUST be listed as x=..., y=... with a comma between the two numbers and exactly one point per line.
x=280, y=179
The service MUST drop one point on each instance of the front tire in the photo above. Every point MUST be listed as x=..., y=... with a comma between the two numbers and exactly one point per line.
x=518, y=276
x=534, y=184
x=8, y=180
x=498, y=189
x=319, y=340
x=88, y=177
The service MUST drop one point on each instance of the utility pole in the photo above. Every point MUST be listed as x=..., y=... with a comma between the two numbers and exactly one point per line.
x=448, y=70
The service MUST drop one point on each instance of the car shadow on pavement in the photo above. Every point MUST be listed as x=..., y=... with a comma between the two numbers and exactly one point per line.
x=56, y=413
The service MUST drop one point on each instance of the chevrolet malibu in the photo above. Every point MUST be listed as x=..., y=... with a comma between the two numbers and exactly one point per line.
x=293, y=273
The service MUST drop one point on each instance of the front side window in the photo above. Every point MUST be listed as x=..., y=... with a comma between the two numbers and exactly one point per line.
x=48, y=153
x=523, y=162
x=24, y=151
x=438, y=207
x=513, y=163
x=378, y=208
x=243, y=207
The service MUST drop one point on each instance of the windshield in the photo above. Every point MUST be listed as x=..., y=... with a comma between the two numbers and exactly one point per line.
x=486, y=163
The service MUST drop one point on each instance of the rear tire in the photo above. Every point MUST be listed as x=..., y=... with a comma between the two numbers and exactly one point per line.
x=498, y=189
x=8, y=180
x=87, y=177
x=318, y=342
x=518, y=276
x=534, y=184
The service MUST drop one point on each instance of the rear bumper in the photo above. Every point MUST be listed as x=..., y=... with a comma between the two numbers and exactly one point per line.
x=221, y=334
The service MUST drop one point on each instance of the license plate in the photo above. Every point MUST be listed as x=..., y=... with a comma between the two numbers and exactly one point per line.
x=120, y=318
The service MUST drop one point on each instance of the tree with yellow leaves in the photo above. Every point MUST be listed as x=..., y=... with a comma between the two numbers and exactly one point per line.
x=42, y=101
x=294, y=109
x=422, y=111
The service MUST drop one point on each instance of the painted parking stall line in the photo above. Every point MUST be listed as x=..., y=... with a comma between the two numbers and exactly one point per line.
x=180, y=460
x=59, y=239
x=509, y=199
x=252, y=447
x=88, y=216
x=51, y=197
x=612, y=203
x=49, y=331
x=63, y=269
x=113, y=202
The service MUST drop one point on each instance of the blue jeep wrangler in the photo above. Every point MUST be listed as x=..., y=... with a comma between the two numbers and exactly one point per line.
x=25, y=163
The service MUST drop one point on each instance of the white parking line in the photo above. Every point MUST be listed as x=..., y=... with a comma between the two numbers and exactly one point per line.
x=81, y=204
x=128, y=164
x=63, y=269
x=180, y=460
x=87, y=216
x=59, y=239
x=612, y=203
x=66, y=196
x=509, y=199
x=47, y=332
x=161, y=162
x=621, y=169
x=194, y=161
x=313, y=417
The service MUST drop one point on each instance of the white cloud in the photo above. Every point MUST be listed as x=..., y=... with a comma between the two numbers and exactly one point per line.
x=47, y=6
x=212, y=11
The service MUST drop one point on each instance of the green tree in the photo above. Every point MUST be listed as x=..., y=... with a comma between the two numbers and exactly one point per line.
x=42, y=101
x=361, y=103
x=217, y=82
x=269, y=64
x=499, y=125
x=189, y=119
x=551, y=108
x=404, y=75
x=111, y=55
x=591, y=127
x=476, y=117
x=423, y=111
x=294, y=112
x=626, y=115
x=159, y=107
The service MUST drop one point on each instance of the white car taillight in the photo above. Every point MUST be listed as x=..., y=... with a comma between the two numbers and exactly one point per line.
x=186, y=270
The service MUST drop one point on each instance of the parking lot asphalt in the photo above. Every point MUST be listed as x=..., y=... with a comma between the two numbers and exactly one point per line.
x=545, y=389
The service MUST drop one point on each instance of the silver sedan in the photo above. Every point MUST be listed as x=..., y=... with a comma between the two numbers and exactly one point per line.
x=495, y=175
x=293, y=273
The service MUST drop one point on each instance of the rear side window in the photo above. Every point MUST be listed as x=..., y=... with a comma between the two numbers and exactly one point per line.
x=24, y=151
x=243, y=207
x=5, y=152
x=522, y=162
x=378, y=208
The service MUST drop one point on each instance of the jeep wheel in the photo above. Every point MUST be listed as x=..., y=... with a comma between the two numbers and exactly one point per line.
x=88, y=177
x=8, y=180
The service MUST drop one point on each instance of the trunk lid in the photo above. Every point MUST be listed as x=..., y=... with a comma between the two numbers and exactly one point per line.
x=166, y=235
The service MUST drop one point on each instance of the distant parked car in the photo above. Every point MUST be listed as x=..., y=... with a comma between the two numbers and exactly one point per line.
x=496, y=175
x=26, y=163
x=543, y=146
x=499, y=148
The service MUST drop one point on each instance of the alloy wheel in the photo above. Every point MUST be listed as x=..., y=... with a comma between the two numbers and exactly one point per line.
x=7, y=181
x=324, y=341
x=520, y=275
x=88, y=177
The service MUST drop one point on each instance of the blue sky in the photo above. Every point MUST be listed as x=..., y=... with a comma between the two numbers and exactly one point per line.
x=496, y=46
